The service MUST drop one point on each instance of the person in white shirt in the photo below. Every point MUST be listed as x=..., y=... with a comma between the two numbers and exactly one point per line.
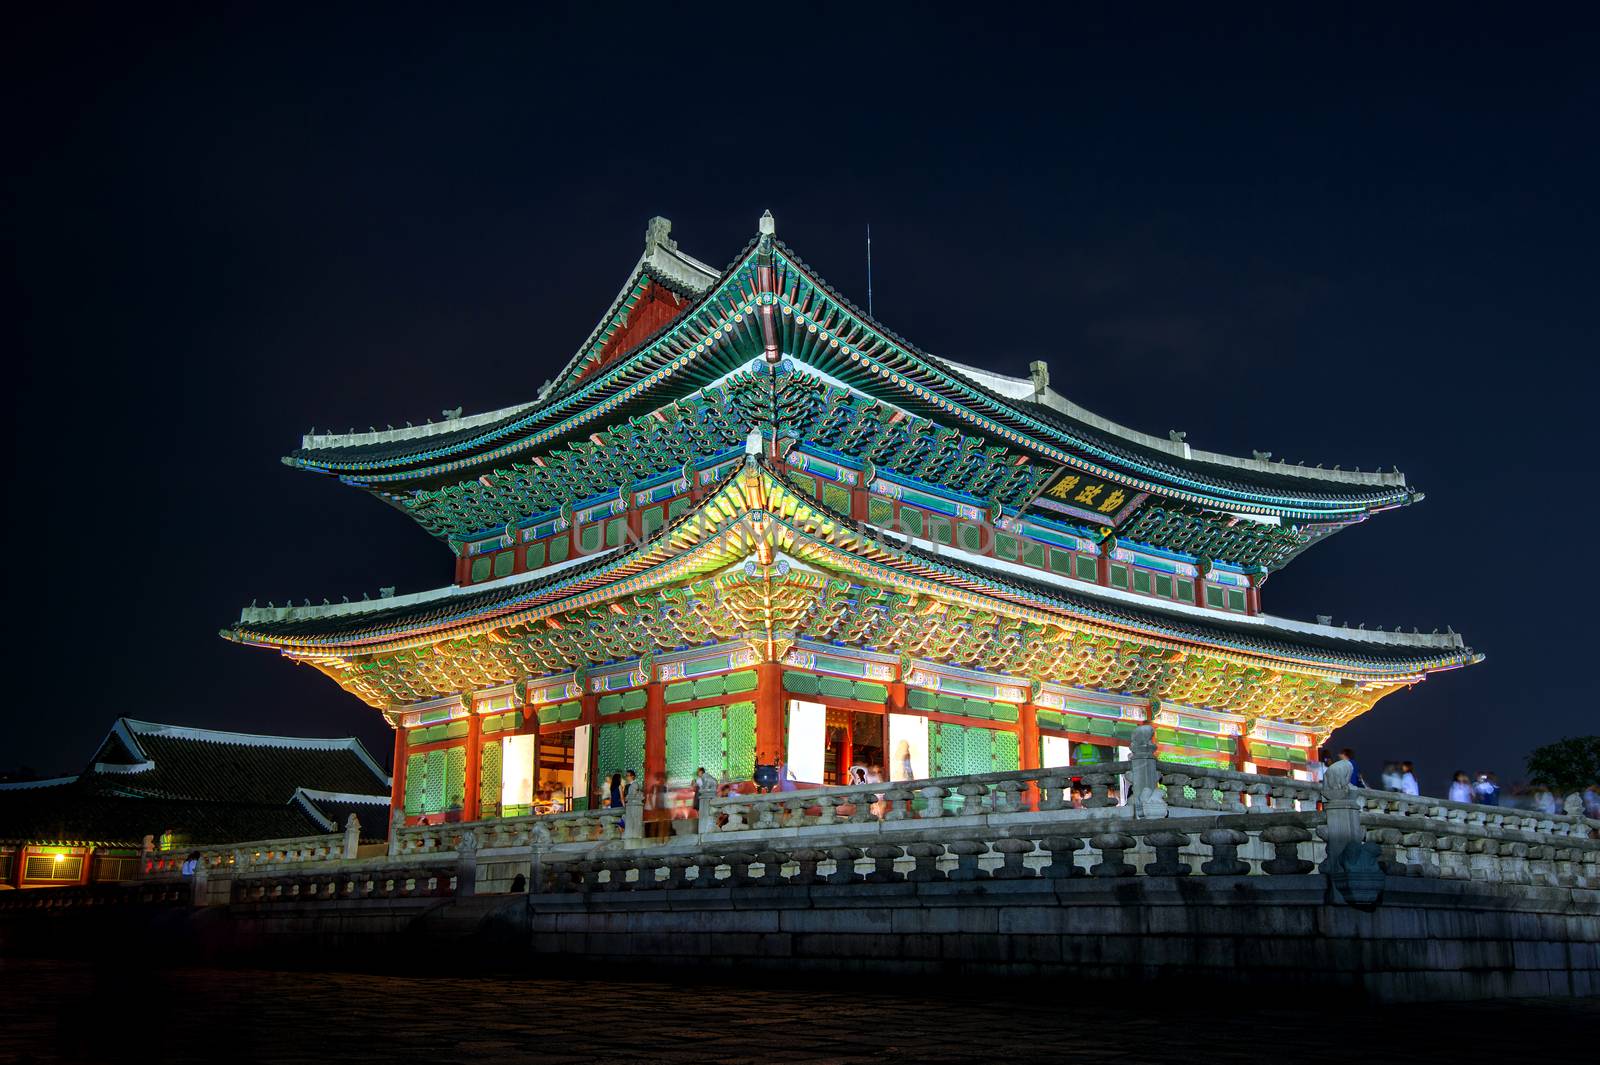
x=1460, y=788
x=1408, y=780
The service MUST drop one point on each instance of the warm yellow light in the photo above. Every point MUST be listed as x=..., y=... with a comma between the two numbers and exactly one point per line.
x=60, y=856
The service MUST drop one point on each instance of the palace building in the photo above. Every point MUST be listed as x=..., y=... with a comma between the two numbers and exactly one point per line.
x=168, y=787
x=746, y=523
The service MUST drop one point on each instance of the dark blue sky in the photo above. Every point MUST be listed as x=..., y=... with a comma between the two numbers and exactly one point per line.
x=1349, y=240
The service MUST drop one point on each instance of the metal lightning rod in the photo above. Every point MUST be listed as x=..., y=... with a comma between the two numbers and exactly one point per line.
x=869, y=271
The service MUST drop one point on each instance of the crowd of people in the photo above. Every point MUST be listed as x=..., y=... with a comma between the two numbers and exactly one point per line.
x=1483, y=789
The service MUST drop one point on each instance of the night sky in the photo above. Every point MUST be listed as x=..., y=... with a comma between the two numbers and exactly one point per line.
x=1364, y=243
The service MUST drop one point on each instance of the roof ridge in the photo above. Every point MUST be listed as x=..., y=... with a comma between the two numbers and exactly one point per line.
x=243, y=739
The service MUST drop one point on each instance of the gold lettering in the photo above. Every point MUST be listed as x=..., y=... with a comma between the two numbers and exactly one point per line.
x=1065, y=486
x=1112, y=501
x=1088, y=494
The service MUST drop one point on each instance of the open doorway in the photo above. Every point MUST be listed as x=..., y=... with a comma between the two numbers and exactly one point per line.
x=563, y=771
x=854, y=747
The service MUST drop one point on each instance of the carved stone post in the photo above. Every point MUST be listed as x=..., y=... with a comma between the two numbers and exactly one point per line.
x=1144, y=777
x=633, y=813
x=1343, y=812
x=352, y=836
x=467, y=863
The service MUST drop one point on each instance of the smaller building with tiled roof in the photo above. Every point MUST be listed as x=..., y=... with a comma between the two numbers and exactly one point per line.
x=180, y=785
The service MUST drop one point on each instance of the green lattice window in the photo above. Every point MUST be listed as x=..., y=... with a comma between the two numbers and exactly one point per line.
x=721, y=738
x=1060, y=561
x=620, y=747
x=805, y=482
x=939, y=528
x=959, y=750
x=711, y=742
x=589, y=537
x=1235, y=599
x=1214, y=596
x=559, y=548
x=1184, y=590
x=1141, y=581
x=651, y=520
x=1006, y=546
x=455, y=778
x=1033, y=554
x=682, y=746
x=911, y=521
x=1086, y=568
x=741, y=725
x=489, y=780
x=880, y=511
x=504, y=563
x=480, y=569
x=971, y=537
x=1164, y=586
x=616, y=528
x=677, y=506
x=836, y=497
x=416, y=795
x=535, y=556
x=1119, y=576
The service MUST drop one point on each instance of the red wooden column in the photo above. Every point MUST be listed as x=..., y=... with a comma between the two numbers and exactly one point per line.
x=858, y=504
x=1252, y=597
x=397, y=792
x=471, y=810
x=769, y=712
x=1028, y=736
x=653, y=773
x=635, y=516
x=1241, y=748
x=1028, y=748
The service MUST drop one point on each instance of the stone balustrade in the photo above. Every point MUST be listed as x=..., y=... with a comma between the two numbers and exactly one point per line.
x=380, y=883
x=583, y=826
x=1142, y=817
x=987, y=796
x=1187, y=787
x=1269, y=844
x=241, y=857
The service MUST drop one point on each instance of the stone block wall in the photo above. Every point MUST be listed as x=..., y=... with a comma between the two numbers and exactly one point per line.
x=1426, y=941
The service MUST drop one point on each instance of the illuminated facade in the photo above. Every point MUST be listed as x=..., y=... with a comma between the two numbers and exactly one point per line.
x=748, y=523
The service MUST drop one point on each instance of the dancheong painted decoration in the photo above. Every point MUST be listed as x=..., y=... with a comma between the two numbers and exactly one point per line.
x=747, y=525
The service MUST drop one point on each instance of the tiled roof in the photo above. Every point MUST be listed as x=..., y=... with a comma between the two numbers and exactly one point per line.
x=1275, y=637
x=205, y=785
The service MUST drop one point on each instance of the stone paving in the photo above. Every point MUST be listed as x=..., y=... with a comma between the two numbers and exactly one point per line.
x=72, y=1012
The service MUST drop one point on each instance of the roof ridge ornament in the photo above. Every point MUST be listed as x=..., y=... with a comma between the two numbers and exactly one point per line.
x=658, y=234
x=768, y=225
x=1039, y=374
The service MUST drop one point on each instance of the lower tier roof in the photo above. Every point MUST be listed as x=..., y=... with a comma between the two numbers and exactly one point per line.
x=757, y=560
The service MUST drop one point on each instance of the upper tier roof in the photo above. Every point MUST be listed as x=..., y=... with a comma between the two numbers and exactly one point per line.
x=715, y=331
